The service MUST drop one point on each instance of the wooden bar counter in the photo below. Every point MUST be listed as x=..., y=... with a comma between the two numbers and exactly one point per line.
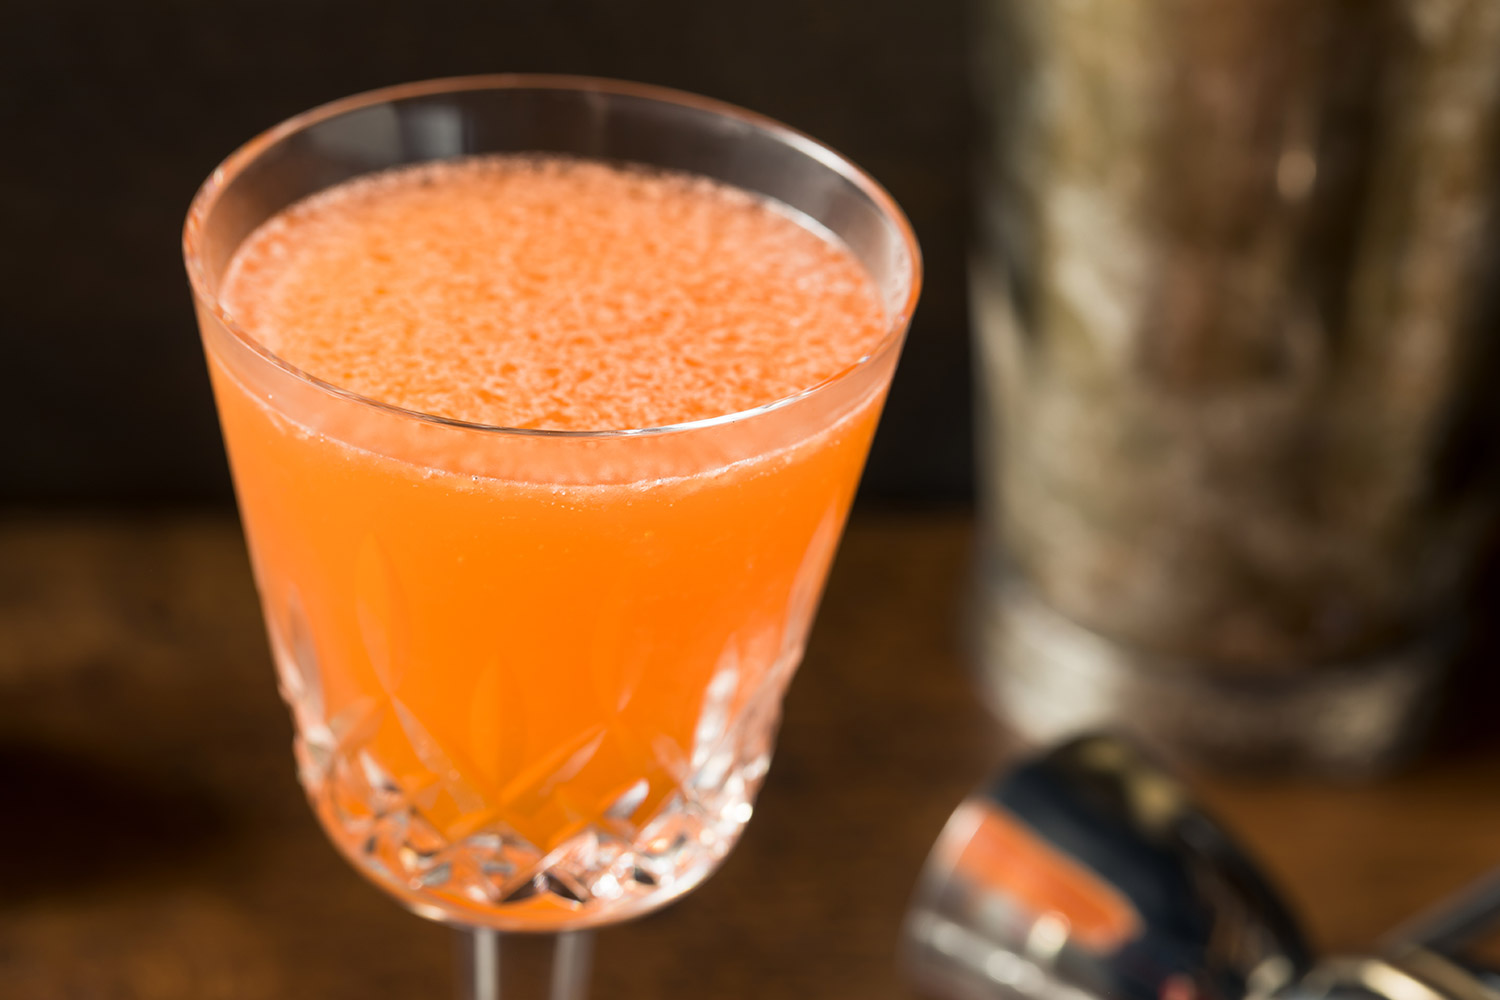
x=154, y=844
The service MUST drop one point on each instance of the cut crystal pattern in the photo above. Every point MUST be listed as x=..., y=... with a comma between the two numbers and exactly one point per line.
x=470, y=867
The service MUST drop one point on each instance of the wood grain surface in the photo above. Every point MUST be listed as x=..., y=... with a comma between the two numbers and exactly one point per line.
x=154, y=844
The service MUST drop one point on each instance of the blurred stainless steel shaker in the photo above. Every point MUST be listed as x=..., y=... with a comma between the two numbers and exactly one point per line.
x=1235, y=300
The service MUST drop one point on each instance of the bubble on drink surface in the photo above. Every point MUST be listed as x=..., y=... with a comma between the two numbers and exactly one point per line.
x=553, y=293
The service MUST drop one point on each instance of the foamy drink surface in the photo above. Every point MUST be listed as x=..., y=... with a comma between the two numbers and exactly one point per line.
x=538, y=292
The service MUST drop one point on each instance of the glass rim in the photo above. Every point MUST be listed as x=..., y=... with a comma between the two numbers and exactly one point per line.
x=236, y=162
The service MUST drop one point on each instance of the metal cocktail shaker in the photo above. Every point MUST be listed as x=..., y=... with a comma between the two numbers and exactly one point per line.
x=1234, y=291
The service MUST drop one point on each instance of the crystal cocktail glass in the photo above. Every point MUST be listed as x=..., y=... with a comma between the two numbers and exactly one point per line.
x=536, y=674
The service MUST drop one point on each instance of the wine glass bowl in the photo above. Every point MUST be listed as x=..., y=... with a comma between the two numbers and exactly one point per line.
x=536, y=674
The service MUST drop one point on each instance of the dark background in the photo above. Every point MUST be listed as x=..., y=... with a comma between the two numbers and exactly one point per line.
x=112, y=114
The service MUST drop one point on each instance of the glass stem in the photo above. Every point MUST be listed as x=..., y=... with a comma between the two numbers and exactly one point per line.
x=484, y=965
x=572, y=962
x=513, y=967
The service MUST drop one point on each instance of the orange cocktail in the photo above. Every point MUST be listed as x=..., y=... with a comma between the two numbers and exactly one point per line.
x=542, y=462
